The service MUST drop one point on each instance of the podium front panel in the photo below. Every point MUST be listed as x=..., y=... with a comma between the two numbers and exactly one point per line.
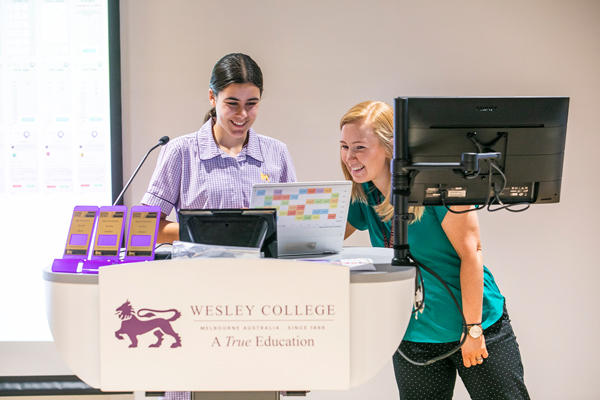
x=224, y=325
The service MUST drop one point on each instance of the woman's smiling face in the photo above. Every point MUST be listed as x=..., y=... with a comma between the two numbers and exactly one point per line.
x=237, y=109
x=363, y=155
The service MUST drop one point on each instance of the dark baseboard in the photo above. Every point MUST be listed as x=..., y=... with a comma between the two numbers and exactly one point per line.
x=55, y=385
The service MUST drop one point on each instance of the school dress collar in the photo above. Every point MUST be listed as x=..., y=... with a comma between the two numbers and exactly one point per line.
x=252, y=148
x=208, y=148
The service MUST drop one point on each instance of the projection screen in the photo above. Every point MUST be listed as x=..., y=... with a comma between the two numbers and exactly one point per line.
x=60, y=135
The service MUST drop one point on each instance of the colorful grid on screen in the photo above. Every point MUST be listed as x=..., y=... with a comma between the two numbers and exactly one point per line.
x=306, y=204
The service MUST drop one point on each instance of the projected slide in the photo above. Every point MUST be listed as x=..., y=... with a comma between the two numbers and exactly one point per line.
x=55, y=143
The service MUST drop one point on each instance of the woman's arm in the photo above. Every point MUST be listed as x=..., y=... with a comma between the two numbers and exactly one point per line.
x=167, y=231
x=463, y=232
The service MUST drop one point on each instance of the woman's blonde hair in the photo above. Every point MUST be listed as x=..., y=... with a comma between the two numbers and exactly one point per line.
x=380, y=117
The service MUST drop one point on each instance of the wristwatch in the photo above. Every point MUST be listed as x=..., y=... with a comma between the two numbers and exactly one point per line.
x=475, y=330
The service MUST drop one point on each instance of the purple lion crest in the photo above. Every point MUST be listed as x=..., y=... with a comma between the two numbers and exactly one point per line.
x=132, y=326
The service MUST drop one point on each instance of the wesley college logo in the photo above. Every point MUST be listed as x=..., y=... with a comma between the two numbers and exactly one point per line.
x=133, y=326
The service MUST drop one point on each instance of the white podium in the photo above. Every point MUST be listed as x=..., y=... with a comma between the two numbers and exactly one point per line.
x=235, y=322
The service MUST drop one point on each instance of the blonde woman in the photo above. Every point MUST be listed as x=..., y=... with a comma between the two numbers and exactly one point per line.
x=489, y=362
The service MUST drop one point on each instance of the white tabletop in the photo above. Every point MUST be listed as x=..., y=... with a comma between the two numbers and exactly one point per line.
x=381, y=257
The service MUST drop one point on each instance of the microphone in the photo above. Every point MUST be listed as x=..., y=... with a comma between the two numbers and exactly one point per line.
x=161, y=142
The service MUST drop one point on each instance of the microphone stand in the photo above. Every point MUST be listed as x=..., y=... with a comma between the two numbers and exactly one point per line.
x=161, y=142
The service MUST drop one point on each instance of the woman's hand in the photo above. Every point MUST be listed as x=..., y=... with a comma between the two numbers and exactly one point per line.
x=474, y=351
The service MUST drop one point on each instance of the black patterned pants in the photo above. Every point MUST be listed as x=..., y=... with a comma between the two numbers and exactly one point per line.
x=499, y=377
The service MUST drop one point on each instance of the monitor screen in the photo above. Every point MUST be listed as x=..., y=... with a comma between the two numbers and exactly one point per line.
x=528, y=133
x=231, y=227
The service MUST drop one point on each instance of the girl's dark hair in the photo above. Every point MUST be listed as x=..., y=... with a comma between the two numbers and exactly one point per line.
x=234, y=68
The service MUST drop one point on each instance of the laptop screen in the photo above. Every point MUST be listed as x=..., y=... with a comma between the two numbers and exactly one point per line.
x=311, y=216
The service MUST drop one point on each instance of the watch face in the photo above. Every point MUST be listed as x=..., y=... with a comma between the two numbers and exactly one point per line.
x=475, y=331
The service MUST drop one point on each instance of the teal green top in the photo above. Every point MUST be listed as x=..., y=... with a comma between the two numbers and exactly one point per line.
x=440, y=322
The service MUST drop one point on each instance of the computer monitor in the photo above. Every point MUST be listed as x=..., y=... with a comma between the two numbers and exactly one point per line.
x=528, y=133
x=231, y=227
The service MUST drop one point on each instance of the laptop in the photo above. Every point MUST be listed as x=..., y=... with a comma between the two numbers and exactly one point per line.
x=311, y=216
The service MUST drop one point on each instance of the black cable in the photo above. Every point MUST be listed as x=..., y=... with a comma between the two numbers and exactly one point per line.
x=464, y=322
x=490, y=199
x=497, y=194
x=168, y=257
x=507, y=207
x=477, y=208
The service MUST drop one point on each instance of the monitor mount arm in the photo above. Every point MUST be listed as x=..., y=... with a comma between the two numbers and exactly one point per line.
x=402, y=170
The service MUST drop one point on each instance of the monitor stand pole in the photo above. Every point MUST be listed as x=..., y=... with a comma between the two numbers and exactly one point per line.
x=401, y=219
x=401, y=187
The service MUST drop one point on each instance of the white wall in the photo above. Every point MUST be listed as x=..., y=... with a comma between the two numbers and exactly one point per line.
x=320, y=57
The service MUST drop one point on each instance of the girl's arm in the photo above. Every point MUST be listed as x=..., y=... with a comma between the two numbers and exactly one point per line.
x=167, y=231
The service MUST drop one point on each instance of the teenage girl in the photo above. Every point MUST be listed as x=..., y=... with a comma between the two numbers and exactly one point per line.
x=217, y=166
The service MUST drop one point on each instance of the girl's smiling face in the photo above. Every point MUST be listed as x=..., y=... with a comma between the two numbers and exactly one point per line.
x=363, y=155
x=237, y=109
